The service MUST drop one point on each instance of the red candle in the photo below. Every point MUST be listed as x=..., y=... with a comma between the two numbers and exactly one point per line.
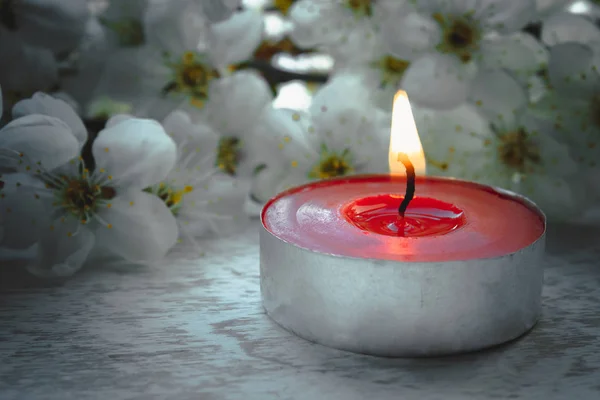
x=366, y=264
x=448, y=220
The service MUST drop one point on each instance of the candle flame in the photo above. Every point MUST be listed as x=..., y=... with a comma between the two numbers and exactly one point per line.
x=404, y=137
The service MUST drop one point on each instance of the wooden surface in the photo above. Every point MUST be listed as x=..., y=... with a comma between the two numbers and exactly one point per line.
x=195, y=329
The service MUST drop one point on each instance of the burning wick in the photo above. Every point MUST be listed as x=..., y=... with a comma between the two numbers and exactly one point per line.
x=410, y=183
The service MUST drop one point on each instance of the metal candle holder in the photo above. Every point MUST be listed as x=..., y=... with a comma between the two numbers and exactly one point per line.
x=401, y=309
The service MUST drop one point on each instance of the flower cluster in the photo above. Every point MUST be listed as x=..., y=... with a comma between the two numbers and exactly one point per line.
x=150, y=185
x=207, y=108
x=503, y=92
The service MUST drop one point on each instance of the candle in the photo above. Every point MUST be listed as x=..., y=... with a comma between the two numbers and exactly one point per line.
x=402, y=264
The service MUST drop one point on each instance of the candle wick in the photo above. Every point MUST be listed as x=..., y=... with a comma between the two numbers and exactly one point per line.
x=410, y=183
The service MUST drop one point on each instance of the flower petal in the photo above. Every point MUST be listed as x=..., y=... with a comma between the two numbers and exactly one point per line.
x=499, y=96
x=23, y=211
x=437, y=81
x=547, y=8
x=44, y=141
x=63, y=250
x=136, y=153
x=345, y=120
x=236, y=39
x=117, y=119
x=219, y=10
x=175, y=29
x=140, y=227
x=229, y=109
x=225, y=212
x=559, y=198
x=572, y=71
x=567, y=27
x=291, y=144
x=520, y=53
x=57, y=25
x=264, y=184
x=315, y=23
x=504, y=16
x=412, y=36
x=44, y=104
x=454, y=140
x=197, y=143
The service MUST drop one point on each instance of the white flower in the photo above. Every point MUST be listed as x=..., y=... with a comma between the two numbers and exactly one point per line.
x=380, y=70
x=571, y=108
x=497, y=142
x=200, y=198
x=343, y=28
x=106, y=207
x=342, y=134
x=235, y=111
x=182, y=57
x=448, y=40
x=57, y=25
x=24, y=69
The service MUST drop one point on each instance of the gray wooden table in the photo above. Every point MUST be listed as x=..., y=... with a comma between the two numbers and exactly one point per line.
x=195, y=329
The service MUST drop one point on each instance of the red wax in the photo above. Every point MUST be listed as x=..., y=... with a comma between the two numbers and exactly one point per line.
x=424, y=217
x=448, y=220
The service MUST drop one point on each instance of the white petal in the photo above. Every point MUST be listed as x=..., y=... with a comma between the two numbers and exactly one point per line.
x=505, y=16
x=291, y=144
x=226, y=212
x=43, y=141
x=547, y=8
x=58, y=25
x=519, y=52
x=252, y=208
x=566, y=27
x=23, y=210
x=197, y=142
x=219, y=10
x=136, y=153
x=345, y=120
x=315, y=23
x=265, y=183
x=572, y=71
x=555, y=156
x=117, y=119
x=135, y=76
x=175, y=27
x=499, y=96
x=410, y=36
x=63, y=250
x=236, y=39
x=559, y=198
x=437, y=81
x=44, y=104
x=229, y=109
x=141, y=228
x=453, y=140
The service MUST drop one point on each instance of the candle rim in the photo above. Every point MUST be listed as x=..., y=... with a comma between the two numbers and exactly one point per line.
x=508, y=194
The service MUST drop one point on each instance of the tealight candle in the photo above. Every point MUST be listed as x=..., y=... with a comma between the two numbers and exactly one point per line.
x=402, y=264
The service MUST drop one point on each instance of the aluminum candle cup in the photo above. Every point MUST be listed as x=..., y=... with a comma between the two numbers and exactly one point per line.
x=460, y=273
